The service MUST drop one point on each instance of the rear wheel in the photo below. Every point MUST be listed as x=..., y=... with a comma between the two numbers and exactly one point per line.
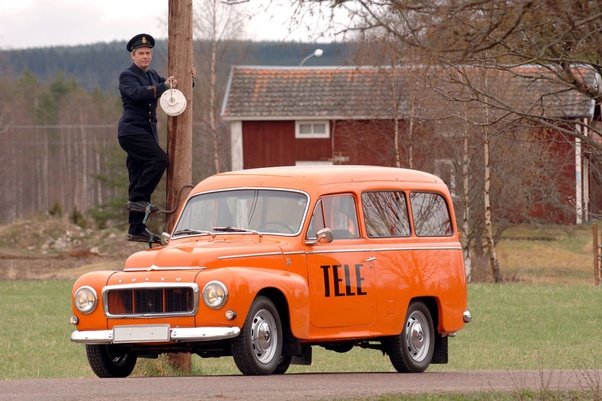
x=412, y=350
x=284, y=364
x=110, y=360
x=258, y=348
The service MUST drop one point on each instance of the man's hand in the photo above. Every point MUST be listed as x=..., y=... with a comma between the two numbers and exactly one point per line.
x=171, y=81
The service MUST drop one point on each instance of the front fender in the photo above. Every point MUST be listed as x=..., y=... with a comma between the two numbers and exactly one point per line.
x=244, y=284
x=97, y=319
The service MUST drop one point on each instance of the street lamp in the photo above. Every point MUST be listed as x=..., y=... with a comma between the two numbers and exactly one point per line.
x=317, y=53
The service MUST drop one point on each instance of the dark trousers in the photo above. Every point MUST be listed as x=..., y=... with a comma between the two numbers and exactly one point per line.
x=146, y=162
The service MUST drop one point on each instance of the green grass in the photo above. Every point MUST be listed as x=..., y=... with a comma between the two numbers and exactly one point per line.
x=34, y=340
x=515, y=326
x=530, y=327
x=546, y=254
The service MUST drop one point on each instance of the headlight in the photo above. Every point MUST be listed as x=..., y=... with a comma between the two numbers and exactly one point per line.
x=85, y=299
x=215, y=294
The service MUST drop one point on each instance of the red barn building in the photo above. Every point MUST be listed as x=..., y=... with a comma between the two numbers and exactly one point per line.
x=405, y=117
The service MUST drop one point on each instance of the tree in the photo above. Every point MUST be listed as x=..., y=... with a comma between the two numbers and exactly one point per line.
x=561, y=40
x=216, y=25
x=55, y=138
x=557, y=36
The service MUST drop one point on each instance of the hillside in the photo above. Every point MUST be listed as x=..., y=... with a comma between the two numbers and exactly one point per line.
x=98, y=65
x=53, y=248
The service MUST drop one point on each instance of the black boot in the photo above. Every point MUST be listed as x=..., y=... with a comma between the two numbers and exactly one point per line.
x=145, y=236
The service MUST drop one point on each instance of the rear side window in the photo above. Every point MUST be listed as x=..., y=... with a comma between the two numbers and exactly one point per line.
x=386, y=214
x=431, y=215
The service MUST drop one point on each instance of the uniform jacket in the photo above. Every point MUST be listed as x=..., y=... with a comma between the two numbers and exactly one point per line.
x=140, y=91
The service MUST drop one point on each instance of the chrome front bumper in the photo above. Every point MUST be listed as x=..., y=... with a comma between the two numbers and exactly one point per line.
x=171, y=335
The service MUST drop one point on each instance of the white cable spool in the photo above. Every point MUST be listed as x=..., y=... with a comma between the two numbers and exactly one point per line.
x=173, y=102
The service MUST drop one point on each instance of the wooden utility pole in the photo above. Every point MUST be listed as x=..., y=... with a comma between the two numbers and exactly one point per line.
x=597, y=255
x=179, y=128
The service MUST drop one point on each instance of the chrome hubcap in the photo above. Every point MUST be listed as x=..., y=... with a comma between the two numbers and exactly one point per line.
x=263, y=336
x=417, y=339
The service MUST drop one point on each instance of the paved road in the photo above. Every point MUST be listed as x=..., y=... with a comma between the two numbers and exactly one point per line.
x=305, y=387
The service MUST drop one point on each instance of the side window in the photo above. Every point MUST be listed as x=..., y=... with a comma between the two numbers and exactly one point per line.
x=431, y=215
x=338, y=213
x=386, y=214
x=317, y=221
x=312, y=129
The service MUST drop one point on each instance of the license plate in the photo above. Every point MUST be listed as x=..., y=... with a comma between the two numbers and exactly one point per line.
x=140, y=334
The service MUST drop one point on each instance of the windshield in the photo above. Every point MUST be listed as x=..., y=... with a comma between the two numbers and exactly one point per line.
x=264, y=211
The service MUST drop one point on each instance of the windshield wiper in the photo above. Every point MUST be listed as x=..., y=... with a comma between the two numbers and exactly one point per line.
x=192, y=231
x=231, y=229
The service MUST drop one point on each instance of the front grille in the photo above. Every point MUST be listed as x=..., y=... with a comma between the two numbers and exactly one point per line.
x=150, y=299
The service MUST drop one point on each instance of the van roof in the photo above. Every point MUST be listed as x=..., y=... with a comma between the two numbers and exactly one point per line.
x=303, y=177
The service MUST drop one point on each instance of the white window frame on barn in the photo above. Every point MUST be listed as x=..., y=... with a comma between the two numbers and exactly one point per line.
x=314, y=163
x=305, y=129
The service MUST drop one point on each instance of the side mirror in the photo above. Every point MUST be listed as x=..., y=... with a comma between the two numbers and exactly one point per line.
x=323, y=235
x=165, y=237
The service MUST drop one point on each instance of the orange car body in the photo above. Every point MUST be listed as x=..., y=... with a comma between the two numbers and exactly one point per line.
x=330, y=290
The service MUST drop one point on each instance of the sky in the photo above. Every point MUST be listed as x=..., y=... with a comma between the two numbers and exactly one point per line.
x=40, y=23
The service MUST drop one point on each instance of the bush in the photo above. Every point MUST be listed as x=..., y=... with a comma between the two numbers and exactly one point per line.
x=76, y=217
x=56, y=210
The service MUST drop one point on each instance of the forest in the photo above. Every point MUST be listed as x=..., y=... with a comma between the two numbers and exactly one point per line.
x=98, y=65
x=59, y=108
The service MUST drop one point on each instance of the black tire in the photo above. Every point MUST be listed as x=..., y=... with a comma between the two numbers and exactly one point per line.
x=110, y=360
x=258, y=348
x=284, y=364
x=412, y=350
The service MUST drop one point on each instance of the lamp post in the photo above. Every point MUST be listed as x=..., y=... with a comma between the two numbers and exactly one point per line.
x=317, y=53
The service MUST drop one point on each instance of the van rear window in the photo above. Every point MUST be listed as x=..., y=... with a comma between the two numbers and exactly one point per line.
x=430, y=214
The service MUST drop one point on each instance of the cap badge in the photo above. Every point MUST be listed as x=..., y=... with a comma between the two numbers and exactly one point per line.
x=144, y=40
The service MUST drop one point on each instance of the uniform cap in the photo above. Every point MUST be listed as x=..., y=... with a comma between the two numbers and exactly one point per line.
x=141, y=40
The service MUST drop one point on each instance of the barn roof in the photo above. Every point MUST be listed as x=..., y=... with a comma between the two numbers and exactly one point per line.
x=285, y=93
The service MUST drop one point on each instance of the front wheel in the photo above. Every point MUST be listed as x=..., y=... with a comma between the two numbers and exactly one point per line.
x=258, y=348
x=412, y=350
x=110, y=360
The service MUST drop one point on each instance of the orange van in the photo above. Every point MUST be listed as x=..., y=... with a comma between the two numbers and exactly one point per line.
x=264, y=264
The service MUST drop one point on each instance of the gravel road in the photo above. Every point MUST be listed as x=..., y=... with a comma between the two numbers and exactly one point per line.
x=322, y=386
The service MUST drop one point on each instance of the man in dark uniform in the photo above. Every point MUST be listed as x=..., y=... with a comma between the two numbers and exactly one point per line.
x=140, y=88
